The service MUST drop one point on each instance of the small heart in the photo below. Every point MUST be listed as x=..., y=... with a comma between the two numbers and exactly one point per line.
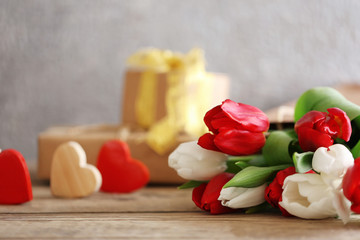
x=120, y=172
x=70, y=176
x=15, y=183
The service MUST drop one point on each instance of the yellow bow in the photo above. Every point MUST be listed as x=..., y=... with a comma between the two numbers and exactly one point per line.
x=186, y=100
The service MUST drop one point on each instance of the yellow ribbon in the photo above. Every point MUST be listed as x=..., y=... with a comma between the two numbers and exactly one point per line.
x=145, y=105
x=187, y=96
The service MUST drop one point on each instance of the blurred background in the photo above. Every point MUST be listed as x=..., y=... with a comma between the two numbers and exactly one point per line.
x=62, y=62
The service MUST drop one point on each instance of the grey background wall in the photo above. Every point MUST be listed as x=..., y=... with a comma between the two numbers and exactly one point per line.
x=62, y=61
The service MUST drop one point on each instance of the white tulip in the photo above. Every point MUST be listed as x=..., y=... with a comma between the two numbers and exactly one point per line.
x=308, y=196
x=342, y=205
x=333, y=161
x=193, y=162
x=332, y=164
x=238, y=197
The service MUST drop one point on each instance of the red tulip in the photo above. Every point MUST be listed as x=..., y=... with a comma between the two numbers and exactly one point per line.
x=319, y=129
x=236, y=129
x=351, y=185
x=273, y=192
x=206, y=195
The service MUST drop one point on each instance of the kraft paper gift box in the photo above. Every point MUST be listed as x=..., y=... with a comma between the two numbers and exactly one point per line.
x=217, y=90
x=165, y=97
x=169, y=93
x=92, y=137
x=167, y=120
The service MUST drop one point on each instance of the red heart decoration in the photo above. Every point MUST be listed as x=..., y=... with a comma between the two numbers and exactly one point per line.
x=120, y=172
x=15, y=183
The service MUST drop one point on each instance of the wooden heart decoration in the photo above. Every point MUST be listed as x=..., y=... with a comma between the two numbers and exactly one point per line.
x=70, y=175
x=120, y=172
x=15, y=183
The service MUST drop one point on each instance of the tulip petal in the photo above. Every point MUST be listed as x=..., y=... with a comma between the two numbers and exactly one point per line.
x=307, y=196
x=239, y=142
x=207, y=141
x=225, y=123
x=332, y=161
x=310, y=139
x=342, y=205
x=351, y=184
x=309, y=120
x=355, y=208
x=328, y=126
x=206, y=195
x=343, y=121
x=218, y=208
x=356, y=196
x=193, y=162
x=274, y=191
x=320, y=129
x=197, y=194
x=214, y=113
x=235, y=197
x=250, y=117
x=214, y=187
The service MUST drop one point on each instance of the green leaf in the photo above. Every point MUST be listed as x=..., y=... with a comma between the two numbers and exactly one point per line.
x=191, y=184
x=264, y=207
x=251, y=160
x=322, y=98
x=246, y=158
x=258, y=161
x=231, y=165
x=294, y=147
x=254, y=176
x=354, y=142
x=276, y=149
x=356, y=150
x=303, y=161
x=236, y=163
x=242, y=165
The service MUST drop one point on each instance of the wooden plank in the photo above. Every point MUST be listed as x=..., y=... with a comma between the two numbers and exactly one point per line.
x=152, y=213
x=197, y=225
x=151, y=199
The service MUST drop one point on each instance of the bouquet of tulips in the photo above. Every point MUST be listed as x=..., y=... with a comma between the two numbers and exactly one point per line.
x=311, y=171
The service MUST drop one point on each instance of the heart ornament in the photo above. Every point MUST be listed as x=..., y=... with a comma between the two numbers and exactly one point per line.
x=71, y=176
x=120, y=172
x=15, y=183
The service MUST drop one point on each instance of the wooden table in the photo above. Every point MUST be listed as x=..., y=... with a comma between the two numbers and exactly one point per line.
x=152, y=213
